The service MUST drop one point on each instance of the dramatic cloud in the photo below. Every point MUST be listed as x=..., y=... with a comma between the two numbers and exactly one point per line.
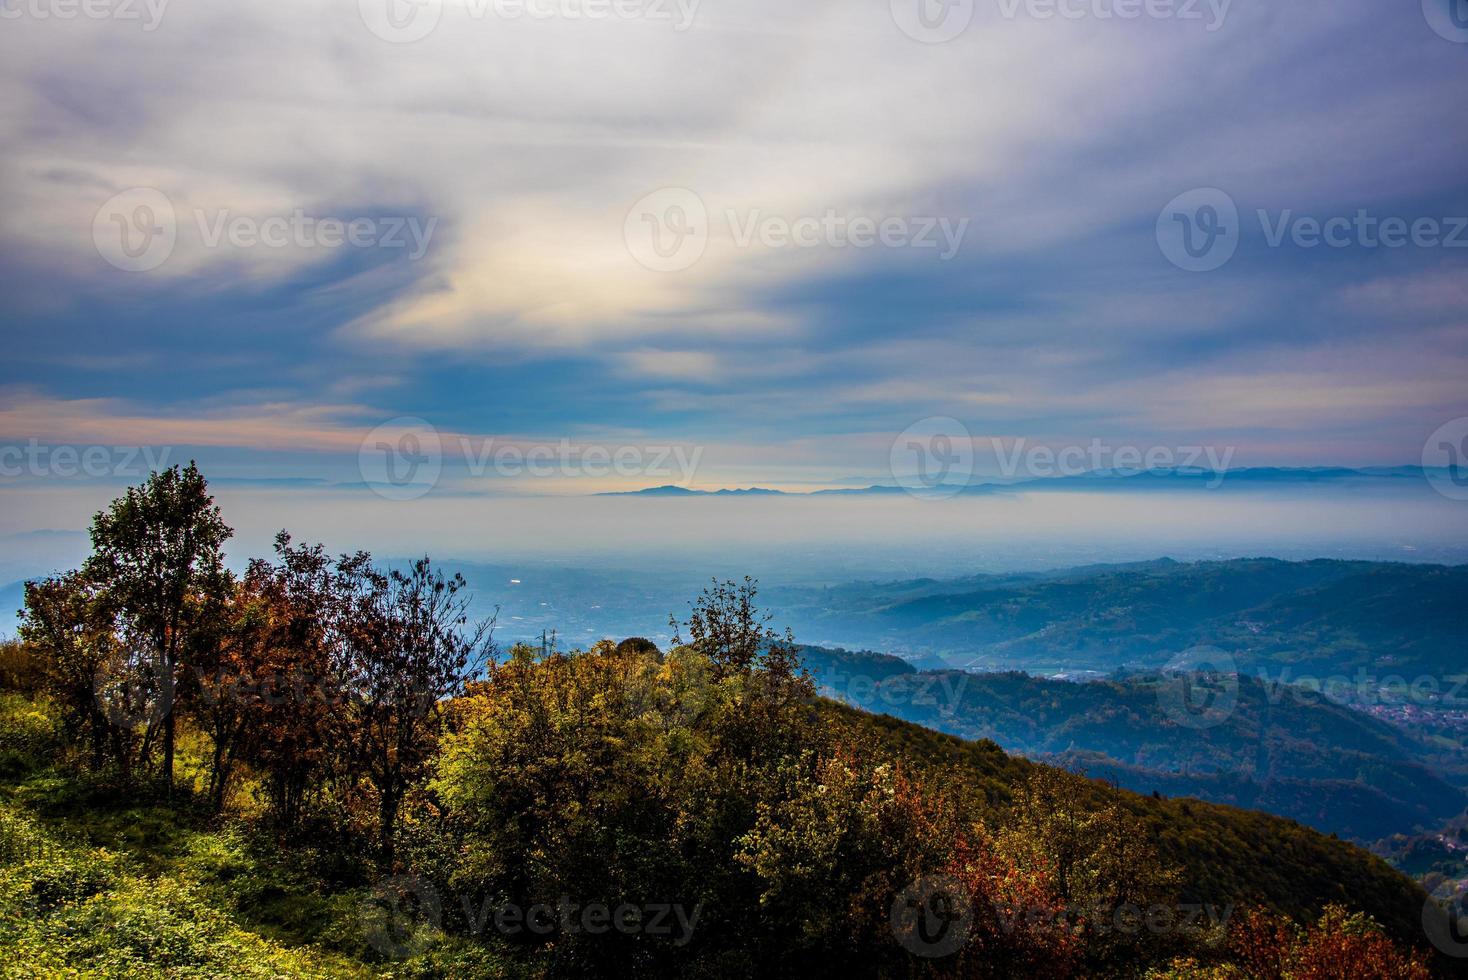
x=485, y=227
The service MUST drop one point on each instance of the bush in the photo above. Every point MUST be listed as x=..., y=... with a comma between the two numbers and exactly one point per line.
x=72, y=909
x=30, y=734
x=20, y=668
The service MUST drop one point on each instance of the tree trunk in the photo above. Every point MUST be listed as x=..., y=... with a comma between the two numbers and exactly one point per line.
x=97, y=722
x=389, y=816
x=168, y=749
x=170, y=692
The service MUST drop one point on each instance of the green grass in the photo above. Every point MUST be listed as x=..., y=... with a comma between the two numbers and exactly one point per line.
x=92, y=885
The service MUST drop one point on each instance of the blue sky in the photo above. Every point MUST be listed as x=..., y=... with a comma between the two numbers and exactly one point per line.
x=521, y=150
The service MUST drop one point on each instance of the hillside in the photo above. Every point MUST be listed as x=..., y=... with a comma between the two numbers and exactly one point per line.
x=325, y=766
x=1321, y=617
x=1284, y=750
x=223, y=897
x=1227, y=855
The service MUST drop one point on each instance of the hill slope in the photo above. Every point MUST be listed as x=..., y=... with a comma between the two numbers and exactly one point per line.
x=1284, y=750
x=1324, y=617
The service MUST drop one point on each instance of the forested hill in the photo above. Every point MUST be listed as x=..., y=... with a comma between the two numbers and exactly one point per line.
x=325, y=767
x=1322, y=617
x=1227, y=855
x=1279, y=748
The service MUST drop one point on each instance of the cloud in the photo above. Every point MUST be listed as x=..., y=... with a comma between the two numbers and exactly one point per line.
x=529, y=141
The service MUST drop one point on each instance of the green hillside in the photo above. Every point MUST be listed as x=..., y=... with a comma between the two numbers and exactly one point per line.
x=1279, y=748
x=325, y=768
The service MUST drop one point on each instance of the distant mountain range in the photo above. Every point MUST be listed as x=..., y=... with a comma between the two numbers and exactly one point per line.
x=1321, y=617
x=1158, y=479
x=1278, y=749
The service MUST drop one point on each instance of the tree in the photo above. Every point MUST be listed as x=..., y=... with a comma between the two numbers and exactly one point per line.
x=760, y=669
x=1339, y=944
x=560, y=776
x=290, y=641
x=67, y=620
x=1100, y=858
x=157, y=550
x=725, y=625
x=409, y=646
x=229, y=657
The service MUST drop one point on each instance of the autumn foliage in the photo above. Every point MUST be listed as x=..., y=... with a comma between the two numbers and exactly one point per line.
x=359, y=710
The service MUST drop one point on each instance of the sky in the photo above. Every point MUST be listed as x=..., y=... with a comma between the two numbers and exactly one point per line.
x=720, y=243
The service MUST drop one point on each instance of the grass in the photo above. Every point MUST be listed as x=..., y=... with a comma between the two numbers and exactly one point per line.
x=96, y=885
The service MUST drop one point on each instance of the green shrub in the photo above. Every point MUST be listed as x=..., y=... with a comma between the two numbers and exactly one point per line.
x=30, y=734
x=20, y=668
